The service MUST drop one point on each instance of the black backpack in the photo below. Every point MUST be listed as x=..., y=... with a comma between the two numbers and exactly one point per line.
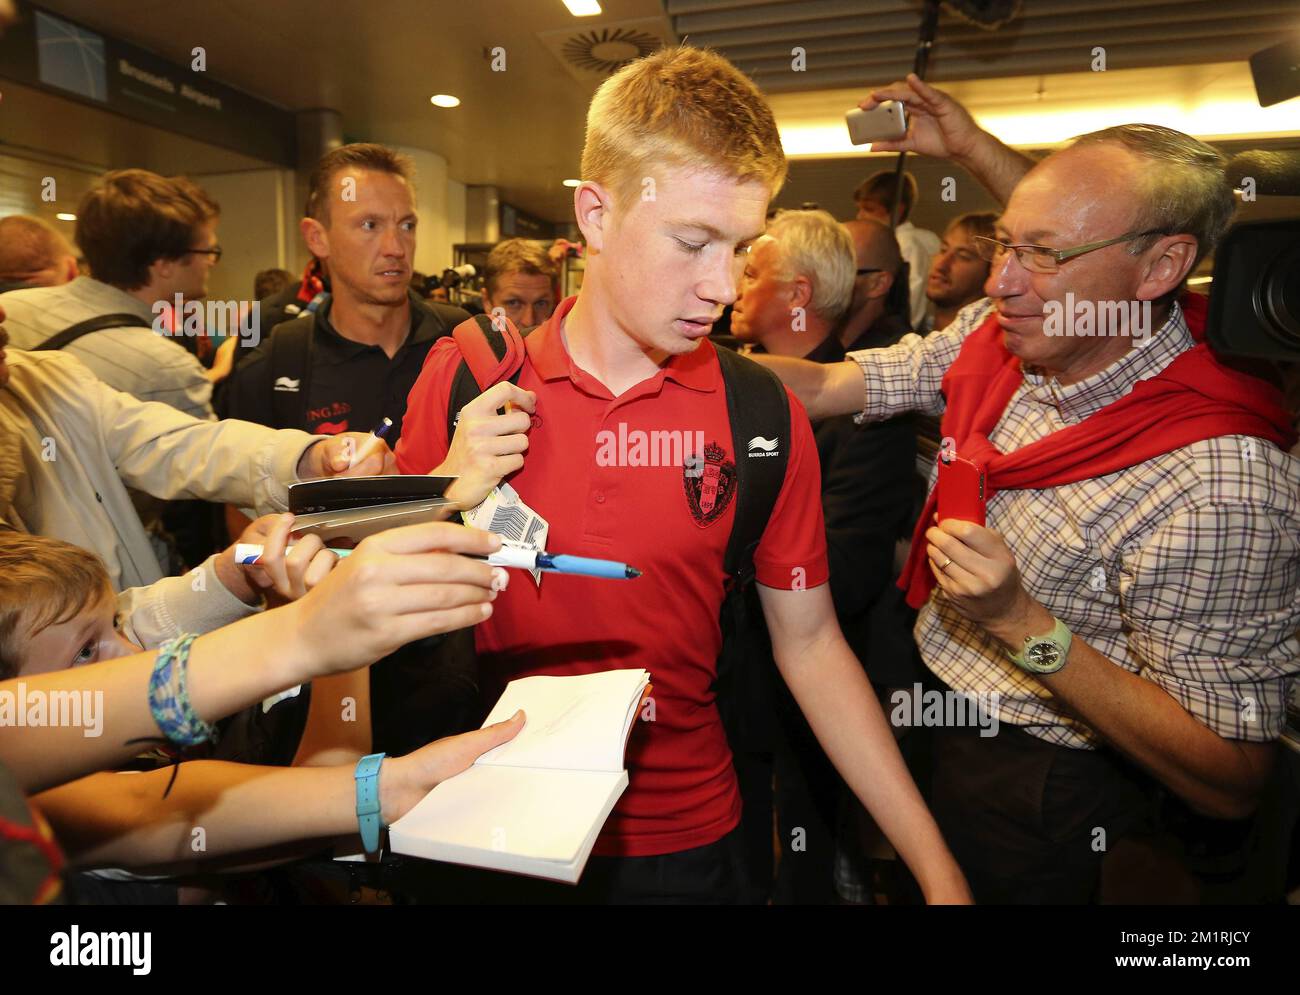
x=291, y=347
x=757, y=405
x=291, y=359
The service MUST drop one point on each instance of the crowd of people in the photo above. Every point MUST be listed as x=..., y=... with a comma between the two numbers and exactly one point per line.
x=1125, y=613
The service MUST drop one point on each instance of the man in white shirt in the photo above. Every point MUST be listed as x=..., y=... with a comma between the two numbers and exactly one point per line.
x=918, y=245
x=70, y=446
x=146, y=239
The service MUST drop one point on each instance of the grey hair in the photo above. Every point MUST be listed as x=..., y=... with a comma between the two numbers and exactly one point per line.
x=813, y=244
x=1187, y=191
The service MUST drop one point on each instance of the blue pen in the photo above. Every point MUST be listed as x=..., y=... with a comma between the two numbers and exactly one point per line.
x=248, y=553
x=563, y=563
x=516, y=554
x=510, y=555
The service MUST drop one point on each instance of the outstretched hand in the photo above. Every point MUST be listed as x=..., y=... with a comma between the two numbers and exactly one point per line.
x=334, y=457
x=937, y=124
x=405, y=780
x=285, y=572
x=488, y=446
x=396, y=587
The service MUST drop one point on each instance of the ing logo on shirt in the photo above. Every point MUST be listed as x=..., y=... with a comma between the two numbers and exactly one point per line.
x=338, y=410
x=710, y=484
x=334, y=408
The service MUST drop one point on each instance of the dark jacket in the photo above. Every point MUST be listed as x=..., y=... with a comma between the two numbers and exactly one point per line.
x=870, y=490
x=347, y=386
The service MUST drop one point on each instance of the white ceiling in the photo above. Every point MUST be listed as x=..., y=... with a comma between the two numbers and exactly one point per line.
x=847, y=41
x=378, y=62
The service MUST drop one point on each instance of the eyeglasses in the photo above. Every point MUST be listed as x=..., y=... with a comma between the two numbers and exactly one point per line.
x=1041, y=258
x=214, y=252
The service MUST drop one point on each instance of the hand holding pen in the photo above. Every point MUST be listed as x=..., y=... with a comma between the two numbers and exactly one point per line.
x=285, y=570
x=336, y=456
x=371, y=444
x=511, y=554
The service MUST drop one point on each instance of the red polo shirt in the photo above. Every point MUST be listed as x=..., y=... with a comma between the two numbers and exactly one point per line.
x=576, y=474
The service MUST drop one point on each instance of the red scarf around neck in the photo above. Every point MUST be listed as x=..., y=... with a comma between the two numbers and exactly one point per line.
x=1196, y=397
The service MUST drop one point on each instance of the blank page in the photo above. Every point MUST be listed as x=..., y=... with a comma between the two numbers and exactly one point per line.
x=574, y=723
x=534, y=814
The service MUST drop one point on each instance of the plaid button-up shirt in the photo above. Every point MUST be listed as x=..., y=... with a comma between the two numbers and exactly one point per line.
x=1182, y=569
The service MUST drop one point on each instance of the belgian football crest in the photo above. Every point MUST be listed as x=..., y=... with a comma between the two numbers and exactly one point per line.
x=710, y=483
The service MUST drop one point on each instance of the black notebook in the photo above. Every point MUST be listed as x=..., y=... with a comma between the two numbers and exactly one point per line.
x=347, y=509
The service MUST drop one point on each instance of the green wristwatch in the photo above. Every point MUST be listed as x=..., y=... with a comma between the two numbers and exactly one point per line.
x=1044, y=654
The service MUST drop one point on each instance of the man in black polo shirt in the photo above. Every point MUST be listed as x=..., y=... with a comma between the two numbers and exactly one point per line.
x=349, y=363
x=872, y=321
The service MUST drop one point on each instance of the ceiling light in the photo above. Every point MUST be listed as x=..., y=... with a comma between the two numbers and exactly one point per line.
x=444, y=100
x=583, y=8
x=66, y=217
x=573, y=183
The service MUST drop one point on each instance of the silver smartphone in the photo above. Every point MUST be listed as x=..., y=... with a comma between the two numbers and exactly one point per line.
x=886, y=123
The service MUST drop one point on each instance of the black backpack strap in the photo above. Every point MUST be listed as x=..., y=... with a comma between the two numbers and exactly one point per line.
x=464, y=388
x=290, y=360
x=759, y=410
x=96, y=324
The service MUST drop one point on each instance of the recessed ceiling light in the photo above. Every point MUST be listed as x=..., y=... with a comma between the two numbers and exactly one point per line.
x=583, y=8
x=444, y=100
x=573, y=183
x=66, y=217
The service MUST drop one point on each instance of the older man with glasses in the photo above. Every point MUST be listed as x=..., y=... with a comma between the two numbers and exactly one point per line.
x=1130, y=606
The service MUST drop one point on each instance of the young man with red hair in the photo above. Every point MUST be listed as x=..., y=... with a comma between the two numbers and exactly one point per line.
x=682, y=158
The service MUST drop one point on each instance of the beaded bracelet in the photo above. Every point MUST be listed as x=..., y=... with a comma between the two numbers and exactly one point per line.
x=169, y=696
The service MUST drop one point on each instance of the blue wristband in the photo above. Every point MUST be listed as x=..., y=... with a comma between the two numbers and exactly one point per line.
x=368, y=800
x=169, y=695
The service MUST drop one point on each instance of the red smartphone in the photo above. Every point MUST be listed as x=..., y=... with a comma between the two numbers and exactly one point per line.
x=961, y=489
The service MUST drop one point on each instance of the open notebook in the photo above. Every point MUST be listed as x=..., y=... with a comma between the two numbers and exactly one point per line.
x=536, y=804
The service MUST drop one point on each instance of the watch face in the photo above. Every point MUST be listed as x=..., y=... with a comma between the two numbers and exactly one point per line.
x=1043, y=655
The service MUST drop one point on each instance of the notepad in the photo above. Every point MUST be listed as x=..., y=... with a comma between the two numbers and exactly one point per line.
x=535, y=805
